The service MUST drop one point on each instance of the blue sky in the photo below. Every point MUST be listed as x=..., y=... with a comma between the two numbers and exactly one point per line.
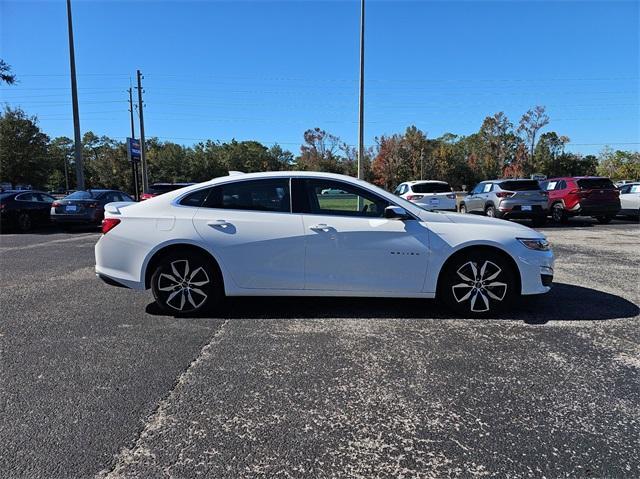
x=269, y=70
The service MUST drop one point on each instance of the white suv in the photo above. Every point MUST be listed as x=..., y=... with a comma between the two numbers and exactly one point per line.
x=428, y=194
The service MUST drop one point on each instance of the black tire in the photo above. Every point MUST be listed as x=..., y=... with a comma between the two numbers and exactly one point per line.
x=463, y=208
x=603, y=220
x=25, y=223
x=186, y=284
x=490, y=211
x=457, y=286
x=558, y=214
x=537, y=222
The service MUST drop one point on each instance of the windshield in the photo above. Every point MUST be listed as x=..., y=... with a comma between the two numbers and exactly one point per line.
x=80, y=195
x=431, y=188
x=595, y=184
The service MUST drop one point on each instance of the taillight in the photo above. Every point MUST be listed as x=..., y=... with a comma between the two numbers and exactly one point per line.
x=108, y=224
x=92, y=205
x=146, y=196
x=451, y=196
x=504, y=194
x=1, y=206
x=414, y=197
x=55, y=204
x=579, y=192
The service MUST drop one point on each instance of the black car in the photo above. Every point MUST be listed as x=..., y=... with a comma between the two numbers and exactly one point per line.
x=85, y=207
x=23, y=210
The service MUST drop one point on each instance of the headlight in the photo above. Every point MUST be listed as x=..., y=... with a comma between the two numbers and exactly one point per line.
x=538, y=244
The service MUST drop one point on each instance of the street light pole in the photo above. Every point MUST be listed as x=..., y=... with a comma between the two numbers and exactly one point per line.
x=74, y=99
x=361, y=100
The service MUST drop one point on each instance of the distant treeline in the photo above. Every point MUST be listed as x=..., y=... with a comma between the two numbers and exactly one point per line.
x=498, y=149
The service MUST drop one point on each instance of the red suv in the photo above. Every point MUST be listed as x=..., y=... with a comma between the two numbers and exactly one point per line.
x=582, y=196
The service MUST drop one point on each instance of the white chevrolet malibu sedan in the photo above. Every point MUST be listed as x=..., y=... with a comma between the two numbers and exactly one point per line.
x=277, y=234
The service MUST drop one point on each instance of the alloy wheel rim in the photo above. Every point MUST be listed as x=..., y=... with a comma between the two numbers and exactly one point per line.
x=557, y=213
x=479, y=285
x=490, y=212
x=184, y=285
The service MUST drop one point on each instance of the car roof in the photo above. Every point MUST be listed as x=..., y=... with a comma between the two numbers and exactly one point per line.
x=578, y=178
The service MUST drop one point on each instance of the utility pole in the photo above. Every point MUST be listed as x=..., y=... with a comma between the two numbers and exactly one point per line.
x=74, y=99
x=143, y=157
x=134, y=166
x=361, y=100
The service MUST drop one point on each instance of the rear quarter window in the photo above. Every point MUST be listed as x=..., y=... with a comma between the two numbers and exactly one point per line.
x=195, y=199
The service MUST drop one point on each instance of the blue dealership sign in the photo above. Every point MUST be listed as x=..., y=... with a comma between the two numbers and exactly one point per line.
x=133, y=149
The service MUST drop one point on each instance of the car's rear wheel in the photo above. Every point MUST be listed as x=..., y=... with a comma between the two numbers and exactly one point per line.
x=478, y=283
x=558, y=214
x=463, y=208
x=25, y=223
x=603, y=220
x=186, y=284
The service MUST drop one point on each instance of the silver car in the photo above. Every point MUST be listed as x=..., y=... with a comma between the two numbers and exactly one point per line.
x=508, y=199
x=630, y=200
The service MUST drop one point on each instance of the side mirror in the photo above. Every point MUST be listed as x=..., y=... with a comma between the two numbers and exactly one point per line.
x=396, y=213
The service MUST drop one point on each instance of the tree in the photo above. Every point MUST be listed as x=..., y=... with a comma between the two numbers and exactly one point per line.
x=23, y=149
x=500, y=143
x=530, y=124
x=619, y=165
x=5, y=73
x=320, y=152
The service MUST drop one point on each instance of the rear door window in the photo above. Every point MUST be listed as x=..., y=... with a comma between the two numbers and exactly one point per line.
x=431, y=188
x=596, y=184
x=252, y=195
x=26, y=197
x=522, y=185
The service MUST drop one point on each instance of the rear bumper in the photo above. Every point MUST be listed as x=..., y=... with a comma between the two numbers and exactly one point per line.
x=594, y=210
x=516, y=211
x=75, y=219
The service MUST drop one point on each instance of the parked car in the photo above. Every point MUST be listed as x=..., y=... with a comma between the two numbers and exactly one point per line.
x=508, y=199
x=428, y=194
x=274, y=234
x=157, y=189
x=85, y=207
x=630, y=200
x=582, y=196
x=24, y=209
x=333, y=191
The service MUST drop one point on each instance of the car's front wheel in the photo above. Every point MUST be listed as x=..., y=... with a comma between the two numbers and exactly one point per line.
x=478, y=283
x=186, y=284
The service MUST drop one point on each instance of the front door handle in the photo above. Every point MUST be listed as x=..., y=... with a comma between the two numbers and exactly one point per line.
x=321, y=227
x=219, y=224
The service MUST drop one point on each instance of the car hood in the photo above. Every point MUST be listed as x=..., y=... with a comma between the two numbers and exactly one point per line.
x=516, y=229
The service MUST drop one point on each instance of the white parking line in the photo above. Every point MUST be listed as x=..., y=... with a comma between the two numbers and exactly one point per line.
x=47, y=243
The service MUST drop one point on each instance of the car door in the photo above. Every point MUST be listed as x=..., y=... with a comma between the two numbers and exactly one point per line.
x=473, y=201
x=350, y=246
x=44, y=206
x=630, y=198
x=249, y=226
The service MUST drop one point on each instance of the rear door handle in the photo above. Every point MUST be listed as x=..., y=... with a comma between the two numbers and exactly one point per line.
x=219, y=224
x=321, y=227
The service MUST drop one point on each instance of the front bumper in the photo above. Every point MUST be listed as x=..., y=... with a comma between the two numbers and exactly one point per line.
x=536, y=270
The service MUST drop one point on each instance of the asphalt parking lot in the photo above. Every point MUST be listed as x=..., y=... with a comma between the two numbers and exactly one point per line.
x=95, y=382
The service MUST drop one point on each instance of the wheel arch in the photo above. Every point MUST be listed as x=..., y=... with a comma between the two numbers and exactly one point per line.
x=467, y=249
x=163, y=251
x=489, y=203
